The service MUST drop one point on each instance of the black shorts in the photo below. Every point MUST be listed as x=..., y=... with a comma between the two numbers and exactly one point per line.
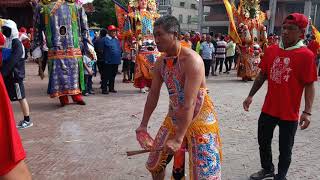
x=16, y=90
x=126, y=65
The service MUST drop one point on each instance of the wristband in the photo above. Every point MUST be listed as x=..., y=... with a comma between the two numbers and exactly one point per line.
x=304, y=112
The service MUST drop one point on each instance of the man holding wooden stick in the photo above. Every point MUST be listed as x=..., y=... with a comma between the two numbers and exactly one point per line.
x=191, y=123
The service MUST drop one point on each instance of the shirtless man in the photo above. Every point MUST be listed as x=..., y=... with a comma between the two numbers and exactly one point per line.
x=191, y=121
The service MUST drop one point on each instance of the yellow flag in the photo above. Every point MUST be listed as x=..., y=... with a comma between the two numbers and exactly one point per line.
x=233, y=33
x=316, y=33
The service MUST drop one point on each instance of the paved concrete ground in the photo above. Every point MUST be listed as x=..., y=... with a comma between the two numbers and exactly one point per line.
x=89, y=142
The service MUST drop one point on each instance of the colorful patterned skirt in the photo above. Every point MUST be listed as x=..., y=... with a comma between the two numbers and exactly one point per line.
x=66, y=76
x=143, y=70
x=247, y=68
x=202, y=142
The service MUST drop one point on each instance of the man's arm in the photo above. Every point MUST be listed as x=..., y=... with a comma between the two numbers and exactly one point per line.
x=256, y=86
x=309, y=93
x=194, y=73
x=153, y=95
x=257, y=83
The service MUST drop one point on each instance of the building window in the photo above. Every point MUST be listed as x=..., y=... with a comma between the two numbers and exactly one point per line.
x=180, y=18
x=193, y=6
x=189, y=19
x=163, y=2
x=182, y=4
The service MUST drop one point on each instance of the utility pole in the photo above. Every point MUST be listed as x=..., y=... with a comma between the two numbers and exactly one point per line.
x=307, y=12
x=200, y=16
x=273, y=9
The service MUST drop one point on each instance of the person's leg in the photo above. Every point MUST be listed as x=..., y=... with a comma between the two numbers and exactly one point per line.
x=213, y=67
x=217, y=64
x=178, y=171
x=100, y=69
x=131, y=74
x=226, y=64
x=20, y=172
x=64, y=100
x=287, y=132
x=114, y=71
x=230, y=63
x=159, y=176
x=44, y=60
x=104, y=77
x=86, y=79
x=266, y=126
x=221, y=65
x=26, y=122
x=124, y=70
x=78, y=99
x=90, y=90
x=24, y=107
x=206, y=67
x=209, y=61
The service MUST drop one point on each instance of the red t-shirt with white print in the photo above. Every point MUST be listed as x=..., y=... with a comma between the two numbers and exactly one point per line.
x=288, y=72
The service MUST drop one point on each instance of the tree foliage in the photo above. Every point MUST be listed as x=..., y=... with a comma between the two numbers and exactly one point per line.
x=104, y=13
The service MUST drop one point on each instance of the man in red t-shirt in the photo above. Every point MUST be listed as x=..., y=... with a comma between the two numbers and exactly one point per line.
x=290, y=69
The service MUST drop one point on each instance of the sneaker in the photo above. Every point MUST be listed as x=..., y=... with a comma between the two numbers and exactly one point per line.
x=105, y=92
x=81, y=102
x=262, y=175
x=24, y=124
x=92, y=92
x=143, y=91
x=86, y=94
x=113, y=91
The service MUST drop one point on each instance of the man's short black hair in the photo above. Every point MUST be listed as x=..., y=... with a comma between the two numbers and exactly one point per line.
x=103, y=33
x=169, y=23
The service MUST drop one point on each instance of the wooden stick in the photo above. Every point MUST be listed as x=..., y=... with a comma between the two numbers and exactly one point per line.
x=132, y=153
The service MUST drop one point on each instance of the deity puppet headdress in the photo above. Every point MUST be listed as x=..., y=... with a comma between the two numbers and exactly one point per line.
x=251, y=9
x=152, y=4
x=49, y=1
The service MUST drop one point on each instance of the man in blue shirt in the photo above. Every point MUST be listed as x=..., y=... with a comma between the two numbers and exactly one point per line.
x=207, y=54
x=112, y=59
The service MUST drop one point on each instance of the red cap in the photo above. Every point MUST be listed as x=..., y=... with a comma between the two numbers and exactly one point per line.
x=23, y=30
x=297, y=19
x=112, y=28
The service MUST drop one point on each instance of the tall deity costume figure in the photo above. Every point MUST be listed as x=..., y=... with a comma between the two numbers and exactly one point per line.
x=139, y=24
x=252, y=32
x=64, y=24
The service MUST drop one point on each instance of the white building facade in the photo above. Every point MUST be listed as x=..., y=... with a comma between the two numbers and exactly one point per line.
x=186, y=11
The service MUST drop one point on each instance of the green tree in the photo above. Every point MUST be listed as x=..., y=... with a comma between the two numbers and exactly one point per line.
x=104, y=13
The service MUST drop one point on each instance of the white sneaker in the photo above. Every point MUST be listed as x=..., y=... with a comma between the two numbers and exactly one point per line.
x=143, y=90
x=24, y=124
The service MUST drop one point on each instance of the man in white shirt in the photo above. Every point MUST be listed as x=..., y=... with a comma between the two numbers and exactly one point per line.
x=231, y=50
x=220, y=53
x=207, y=53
